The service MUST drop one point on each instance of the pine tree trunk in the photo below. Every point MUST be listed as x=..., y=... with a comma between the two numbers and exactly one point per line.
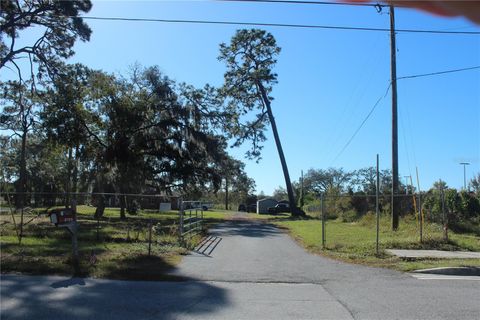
x=75, y=180
x=291, y=197
x=99, y=211
x=69, y=178
x=23, y=182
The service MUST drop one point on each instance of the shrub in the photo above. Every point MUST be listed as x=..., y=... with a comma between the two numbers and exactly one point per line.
x=349, y=216
x=359, y=203
x=368, y=219
x=469, y=205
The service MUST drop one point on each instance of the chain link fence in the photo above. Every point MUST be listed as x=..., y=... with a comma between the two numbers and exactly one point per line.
x=352, y=218
x=148, y=221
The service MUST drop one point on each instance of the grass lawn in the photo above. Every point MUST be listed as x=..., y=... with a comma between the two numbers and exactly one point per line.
x=113, y=248
x=355, y=242
x=118, y=249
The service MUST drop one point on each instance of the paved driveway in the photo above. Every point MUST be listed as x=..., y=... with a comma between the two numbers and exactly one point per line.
x=246, y=270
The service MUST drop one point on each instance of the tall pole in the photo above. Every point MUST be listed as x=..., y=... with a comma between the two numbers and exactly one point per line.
x=377, y=211
x=465, y=174
x=393, y=50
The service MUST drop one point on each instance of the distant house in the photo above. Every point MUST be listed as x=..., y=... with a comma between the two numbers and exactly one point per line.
x=169, y=202
x=264, y=204
x=162, y=201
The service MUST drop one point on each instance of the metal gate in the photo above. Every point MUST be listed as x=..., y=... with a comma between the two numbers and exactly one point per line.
x=191, y=219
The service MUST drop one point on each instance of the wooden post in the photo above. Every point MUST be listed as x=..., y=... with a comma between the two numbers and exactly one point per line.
x=180, y=224
x=73, y=228
x=393, y=52
x=150, y=238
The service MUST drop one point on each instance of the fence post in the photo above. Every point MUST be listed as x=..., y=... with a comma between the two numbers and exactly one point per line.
x=445, y=222
x=180, y=225
x=150, y=238
x=420, y=215
x=420, y=212
x=323, y=220
x=200, y=222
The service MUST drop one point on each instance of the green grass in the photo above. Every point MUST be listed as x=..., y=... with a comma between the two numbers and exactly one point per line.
x=355, y=242
x=121, y=251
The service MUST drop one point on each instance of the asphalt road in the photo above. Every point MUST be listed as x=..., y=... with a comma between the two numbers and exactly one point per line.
x=246, y=270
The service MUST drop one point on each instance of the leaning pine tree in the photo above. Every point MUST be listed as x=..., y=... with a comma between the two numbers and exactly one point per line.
x=250, y=57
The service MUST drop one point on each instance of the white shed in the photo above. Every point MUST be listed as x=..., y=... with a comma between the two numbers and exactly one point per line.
x=264, y=204
x=165, y=206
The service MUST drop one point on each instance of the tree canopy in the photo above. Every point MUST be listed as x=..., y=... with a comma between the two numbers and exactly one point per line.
x=60, y=24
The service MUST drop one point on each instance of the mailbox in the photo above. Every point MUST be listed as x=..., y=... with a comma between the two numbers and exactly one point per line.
x=62, y=216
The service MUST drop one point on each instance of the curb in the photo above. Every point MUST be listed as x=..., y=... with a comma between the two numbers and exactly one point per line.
x=452, y=271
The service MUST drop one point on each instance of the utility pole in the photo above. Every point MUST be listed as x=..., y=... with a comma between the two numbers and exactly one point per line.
x=377, y=206
x=464, y=174
x=393, y=52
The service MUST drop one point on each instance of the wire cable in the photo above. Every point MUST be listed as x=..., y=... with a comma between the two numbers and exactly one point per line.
x=284, y=25
x=341, y=126
x=363, y=122
x=381, y=98
x=310, y=2
x=437, y=73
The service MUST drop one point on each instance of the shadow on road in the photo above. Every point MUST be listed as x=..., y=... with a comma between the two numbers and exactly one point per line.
x=207, y=245
x=38, y=297
x=246, y=229
x=67, y=283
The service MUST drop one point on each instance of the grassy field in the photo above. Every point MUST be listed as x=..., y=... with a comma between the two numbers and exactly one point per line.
x=118, y=249
x=355, y=242
x=108, y=248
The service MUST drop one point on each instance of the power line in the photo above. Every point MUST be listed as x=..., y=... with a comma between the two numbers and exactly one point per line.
x=362, y=80
x=437, y=73
x=310, y=2
x=378, y=101
x=263, y=24
x=363, y=122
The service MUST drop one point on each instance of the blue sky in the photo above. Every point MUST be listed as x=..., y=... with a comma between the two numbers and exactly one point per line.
x=328, y=81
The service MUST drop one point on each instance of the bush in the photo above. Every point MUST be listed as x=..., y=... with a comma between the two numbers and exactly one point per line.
x=369, y=219
x=359, y=203
x=349, y=216
x=469, y=205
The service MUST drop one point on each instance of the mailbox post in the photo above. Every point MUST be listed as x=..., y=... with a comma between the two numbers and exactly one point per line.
x=67, y=218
